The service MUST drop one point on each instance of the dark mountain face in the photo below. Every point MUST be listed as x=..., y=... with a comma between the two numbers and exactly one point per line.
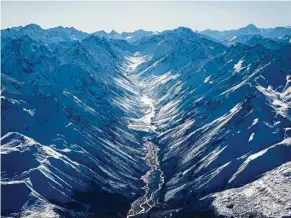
x=175, y=124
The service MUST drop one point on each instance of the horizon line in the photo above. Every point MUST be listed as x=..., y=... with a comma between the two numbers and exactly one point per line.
x=112, y=30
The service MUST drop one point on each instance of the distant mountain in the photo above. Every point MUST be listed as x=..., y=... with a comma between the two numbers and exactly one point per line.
x=174, y=124
x=128, y=36
x=52, y=35
x=253, y=40
x=64, y=34
x=251, y=29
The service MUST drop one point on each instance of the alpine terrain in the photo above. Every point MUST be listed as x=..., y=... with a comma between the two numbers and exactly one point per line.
x=178, y=123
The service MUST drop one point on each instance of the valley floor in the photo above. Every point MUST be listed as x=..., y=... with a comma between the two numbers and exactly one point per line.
x=153, y=179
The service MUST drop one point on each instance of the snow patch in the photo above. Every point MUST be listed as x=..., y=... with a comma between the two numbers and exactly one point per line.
x=30, y=112
x=207, y=79
x=251, y=137
x=238, y=66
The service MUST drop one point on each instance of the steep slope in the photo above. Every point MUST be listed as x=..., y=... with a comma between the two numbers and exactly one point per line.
x=270, y=195
x=214, y=114
x=65, y=102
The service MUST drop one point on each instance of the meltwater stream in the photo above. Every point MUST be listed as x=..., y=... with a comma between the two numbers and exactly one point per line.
x=153, y=179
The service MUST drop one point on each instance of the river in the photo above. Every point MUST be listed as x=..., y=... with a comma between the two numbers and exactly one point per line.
x=153, y=178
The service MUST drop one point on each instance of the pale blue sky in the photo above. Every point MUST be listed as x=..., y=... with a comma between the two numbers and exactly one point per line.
x=157, y=16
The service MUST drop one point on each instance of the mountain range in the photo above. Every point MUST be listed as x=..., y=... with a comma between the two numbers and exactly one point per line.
x=178, y=123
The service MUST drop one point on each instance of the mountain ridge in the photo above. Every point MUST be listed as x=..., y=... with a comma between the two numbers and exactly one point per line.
x=216, y=34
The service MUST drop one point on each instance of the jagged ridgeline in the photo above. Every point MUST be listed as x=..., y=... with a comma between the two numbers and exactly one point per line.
x=146, y=124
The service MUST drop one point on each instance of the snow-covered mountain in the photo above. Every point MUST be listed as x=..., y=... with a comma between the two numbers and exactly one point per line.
x=169, y=124
x=251, y=29
x=52, y=35
x=128, y=36
x=253, y=40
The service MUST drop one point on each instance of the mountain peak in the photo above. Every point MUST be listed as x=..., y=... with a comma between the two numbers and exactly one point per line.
x=142, y=31
x=251, y=26
x=113, y=32
x=183, y=29
x=33, y=27
x=63, y=28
